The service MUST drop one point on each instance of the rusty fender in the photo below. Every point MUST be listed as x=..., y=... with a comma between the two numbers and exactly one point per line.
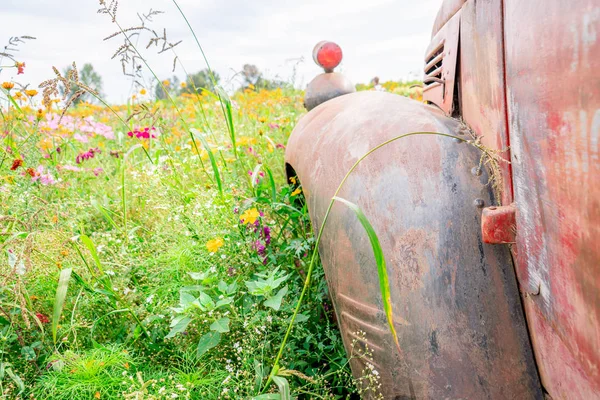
x=456, y=305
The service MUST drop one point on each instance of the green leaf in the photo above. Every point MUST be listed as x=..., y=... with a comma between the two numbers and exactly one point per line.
x=384, y=285
x=220, y=325
x=208, y=341
x=275, y=301
x=211, y=156
x=283, y=386
x=271, y=184
x=178, y=325
x=301, y=318
x=16, y=379
x=186, y=298
x=197, y=276
x=92, y=248
x=59, y=299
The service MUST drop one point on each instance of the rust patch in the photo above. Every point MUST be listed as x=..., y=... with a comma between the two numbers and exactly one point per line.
x=410, y=256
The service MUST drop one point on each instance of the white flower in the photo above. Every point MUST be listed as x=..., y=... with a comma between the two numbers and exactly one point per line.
x=149, y=299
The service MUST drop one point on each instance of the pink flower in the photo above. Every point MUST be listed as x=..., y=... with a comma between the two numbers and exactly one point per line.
x=97, y=171
x=71, y=168
x=44, y=177
x=87, y=155
x=142, y=134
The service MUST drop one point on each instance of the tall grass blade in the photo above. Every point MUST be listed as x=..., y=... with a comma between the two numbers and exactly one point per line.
x=213, y=160
x=92, y=248
x=228, y=116
x=272, y=184
x=59, y=300
x=384, y=284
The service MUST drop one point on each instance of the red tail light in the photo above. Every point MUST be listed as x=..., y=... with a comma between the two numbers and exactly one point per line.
x=327, y=55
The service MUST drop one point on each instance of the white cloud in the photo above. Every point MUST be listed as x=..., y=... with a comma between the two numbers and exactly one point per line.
x=379, y=37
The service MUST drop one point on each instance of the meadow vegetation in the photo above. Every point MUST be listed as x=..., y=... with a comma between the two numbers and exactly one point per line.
x=157, y=249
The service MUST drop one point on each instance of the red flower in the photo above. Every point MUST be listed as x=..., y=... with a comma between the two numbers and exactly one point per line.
x=32, y=172
x=43, y=318
x=16, y=164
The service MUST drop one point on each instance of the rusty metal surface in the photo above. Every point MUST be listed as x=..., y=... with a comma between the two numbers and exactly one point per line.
x=482, y=89
x=457, y=308
x=498, y=224
x=440, y=66
x=553, y=88
x=446, y=11
x=326, y=87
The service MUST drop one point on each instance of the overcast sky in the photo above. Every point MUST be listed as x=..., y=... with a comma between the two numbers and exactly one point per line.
x=385, y=38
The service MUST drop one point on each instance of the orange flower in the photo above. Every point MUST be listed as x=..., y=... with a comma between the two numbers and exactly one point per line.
x=20, y=67
x=31, y=92
x=183, y=84
x=8, y=85
x=18, y=95
x=166, y=83
x=143, y=91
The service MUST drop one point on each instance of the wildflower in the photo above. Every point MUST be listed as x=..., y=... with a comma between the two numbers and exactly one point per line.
x=142, y=134
x=87, y=155
x=16, y=164
x=114, y=153
x=40, y=114
x=266, y=234
x=296, y=192
x=183, y=84
x=43, y=318
x=166, y=83
x=215, y=244
x=31, y=172
x=273, y=126
x=20, y=67
x=31, y=92
x=97, y=171
x=280, y=146
x=18, y=95
x=8, y=85
x=143, y=91
x=58, y=150
x=293, y=180
x=249, y=216
x=262, y=120
x=97, y=395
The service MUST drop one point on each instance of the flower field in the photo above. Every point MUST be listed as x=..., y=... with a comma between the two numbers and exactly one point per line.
x=157, y=249
x=148, y=252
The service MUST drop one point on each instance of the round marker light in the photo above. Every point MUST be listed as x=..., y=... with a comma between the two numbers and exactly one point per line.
x=327, y=55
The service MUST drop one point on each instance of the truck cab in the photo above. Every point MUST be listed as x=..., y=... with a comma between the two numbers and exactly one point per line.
x=494, y=270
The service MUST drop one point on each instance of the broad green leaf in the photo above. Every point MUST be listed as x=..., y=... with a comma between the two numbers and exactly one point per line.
x=220, y=325
x=224, y=302
x=283, y=386
x=59, y=299
x=301, y=318
x=384, y=285
x=206, y=301
x=208, y=341
x=178, y=325
x=186, y=298
x=275, y=301
x=197, y=276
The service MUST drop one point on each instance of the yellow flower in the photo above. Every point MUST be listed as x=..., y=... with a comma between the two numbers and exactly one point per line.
x=293, y=180
x=18, y=95
x=97, y=395
x=166, y=83
x=215, y=244
x=183, y=84
x=143, y=91
x=31, y=92
x=8, y=85
x=296, y=192
x=249, y=216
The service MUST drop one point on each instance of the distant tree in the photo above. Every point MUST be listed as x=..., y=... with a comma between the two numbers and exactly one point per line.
x=172, y=85
x=253, y=76
x=200, y=80
x=90, y=77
